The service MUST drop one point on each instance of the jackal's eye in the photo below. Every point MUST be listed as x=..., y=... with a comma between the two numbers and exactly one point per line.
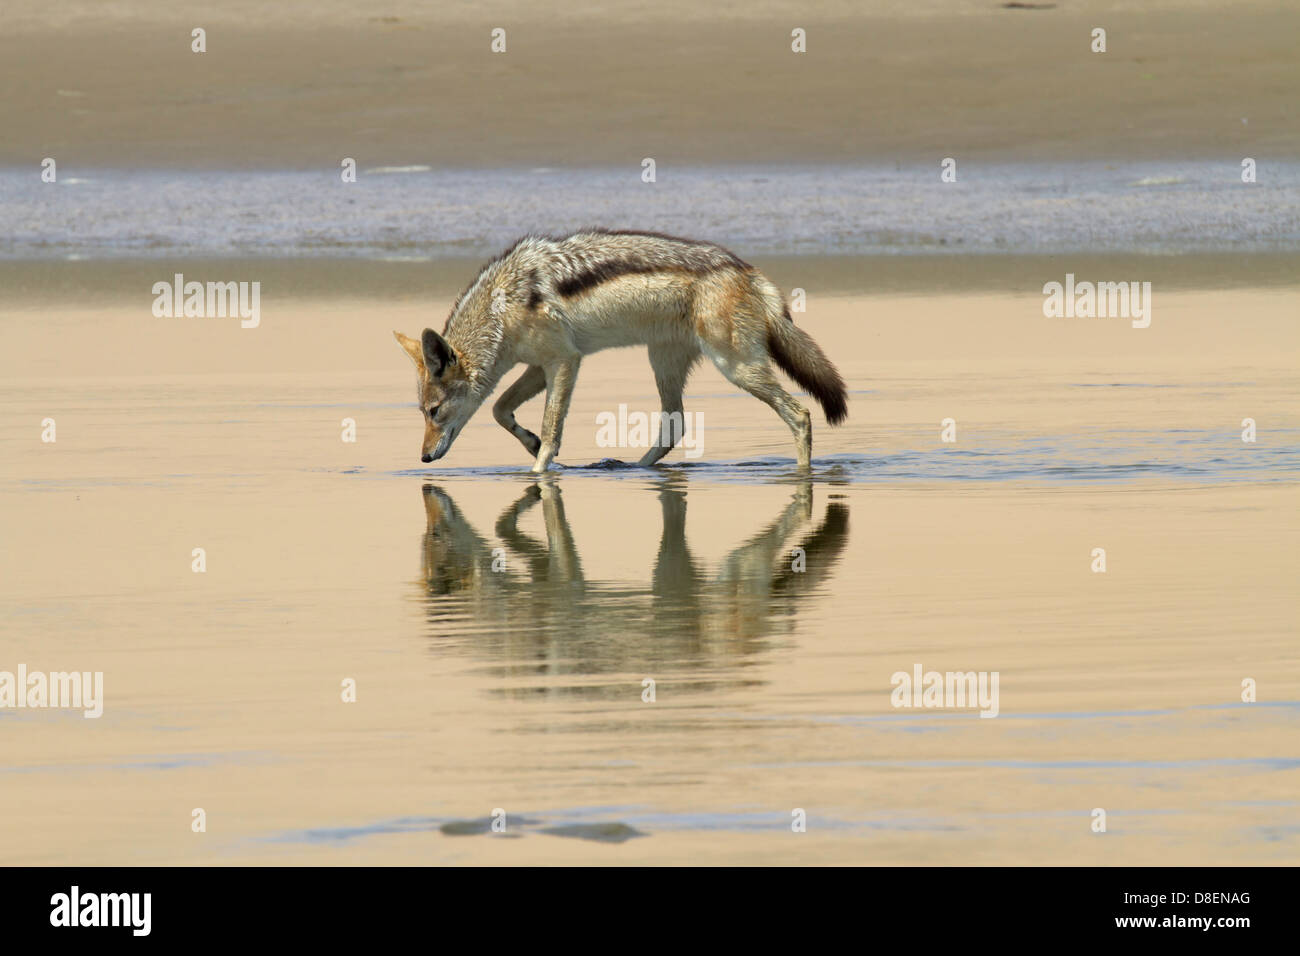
x=433, y=410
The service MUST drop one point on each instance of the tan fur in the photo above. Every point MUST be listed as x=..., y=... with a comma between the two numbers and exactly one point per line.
x=546, y=303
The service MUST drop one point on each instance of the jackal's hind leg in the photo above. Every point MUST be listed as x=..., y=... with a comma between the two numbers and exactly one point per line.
x=671, y=368
x=529, y=384
x=758, y=379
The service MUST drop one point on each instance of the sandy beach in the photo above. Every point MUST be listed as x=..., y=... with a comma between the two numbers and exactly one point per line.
x=341, y=655
x=329, y=560
x=294, y=87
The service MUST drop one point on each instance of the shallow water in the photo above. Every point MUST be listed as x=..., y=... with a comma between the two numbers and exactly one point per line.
x=500, y=628
x=1101, y=456
x=418, y=213
x=521, y=689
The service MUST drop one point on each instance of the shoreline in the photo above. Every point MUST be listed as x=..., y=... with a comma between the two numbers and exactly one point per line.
x=36, y=283
x=1168, y=208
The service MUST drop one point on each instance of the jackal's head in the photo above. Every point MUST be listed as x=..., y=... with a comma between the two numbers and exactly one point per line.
x=446, y=396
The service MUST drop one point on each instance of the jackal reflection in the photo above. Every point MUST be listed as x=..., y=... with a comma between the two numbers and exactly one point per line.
x=542, y=616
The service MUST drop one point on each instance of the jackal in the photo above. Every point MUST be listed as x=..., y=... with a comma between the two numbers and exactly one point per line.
x=547, y=302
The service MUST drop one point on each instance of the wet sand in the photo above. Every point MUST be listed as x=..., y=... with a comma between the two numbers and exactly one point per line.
x=302, y=86
x=518, y=686
x=522, y=689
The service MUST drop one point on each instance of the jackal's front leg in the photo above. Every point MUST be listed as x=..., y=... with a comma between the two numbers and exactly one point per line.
x=560, y=379
x=529, y=384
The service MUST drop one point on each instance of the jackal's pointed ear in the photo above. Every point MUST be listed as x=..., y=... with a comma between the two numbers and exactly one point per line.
x=438, y=353
x=411, y=347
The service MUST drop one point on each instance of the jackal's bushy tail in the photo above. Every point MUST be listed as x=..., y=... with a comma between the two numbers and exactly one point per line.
x=796, y=354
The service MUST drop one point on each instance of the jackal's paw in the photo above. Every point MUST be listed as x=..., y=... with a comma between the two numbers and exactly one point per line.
x=533, y=444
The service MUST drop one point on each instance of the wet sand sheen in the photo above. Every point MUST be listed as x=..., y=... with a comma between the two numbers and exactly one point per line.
x=523, y=689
